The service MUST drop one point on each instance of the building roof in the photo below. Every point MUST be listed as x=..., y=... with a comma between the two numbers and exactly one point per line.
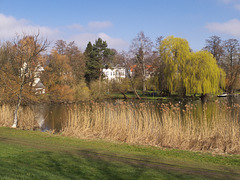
x=39, y=85
x=133, y=67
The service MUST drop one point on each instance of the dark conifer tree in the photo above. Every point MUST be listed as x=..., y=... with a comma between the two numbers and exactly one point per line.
x=97, y=56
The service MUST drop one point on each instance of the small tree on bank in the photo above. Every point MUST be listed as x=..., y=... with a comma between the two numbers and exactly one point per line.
x=141, y=49
x=231, y=63
x=17, y=70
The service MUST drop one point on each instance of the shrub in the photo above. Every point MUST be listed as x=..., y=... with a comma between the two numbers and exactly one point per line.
x=82, y=92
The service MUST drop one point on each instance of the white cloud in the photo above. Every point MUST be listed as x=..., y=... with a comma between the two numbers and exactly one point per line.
x=234, y=3
x=114, y=42
x=227, y=1
x=99, y=25
x=91, y=32
x=10, y=26
x=91, y=26
x=237, y=6
x=230, y=1
x=82, y=40
x=77, y=27
x=231, y=27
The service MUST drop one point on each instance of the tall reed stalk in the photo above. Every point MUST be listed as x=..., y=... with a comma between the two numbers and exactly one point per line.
x=26, y=117
x=212, y=127
x=216, y=128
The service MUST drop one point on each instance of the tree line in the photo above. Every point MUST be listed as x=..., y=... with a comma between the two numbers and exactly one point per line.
x=168, y=66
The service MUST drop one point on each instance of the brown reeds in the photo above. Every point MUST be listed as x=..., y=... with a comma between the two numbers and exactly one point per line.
x=25, y=116
x=214, y=127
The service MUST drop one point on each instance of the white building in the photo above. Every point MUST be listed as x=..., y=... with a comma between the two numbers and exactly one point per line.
x=114, y=73
x=37, y=84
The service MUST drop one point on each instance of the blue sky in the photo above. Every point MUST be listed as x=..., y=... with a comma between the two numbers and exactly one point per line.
x=118, y=22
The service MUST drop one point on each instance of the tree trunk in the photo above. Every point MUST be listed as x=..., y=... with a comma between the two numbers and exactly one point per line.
x=144, y=85
x=135, y=92
x=15, y=120
x=125, y=97
x=203, y=98
x=144, y=76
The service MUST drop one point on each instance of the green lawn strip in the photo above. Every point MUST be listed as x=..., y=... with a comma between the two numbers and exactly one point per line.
x=120, y=96
x=32, y=144
x=24, y=162
x=149, y=96
x=121, y=148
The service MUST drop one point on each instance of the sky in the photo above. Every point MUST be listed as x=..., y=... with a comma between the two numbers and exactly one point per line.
x=119, y=21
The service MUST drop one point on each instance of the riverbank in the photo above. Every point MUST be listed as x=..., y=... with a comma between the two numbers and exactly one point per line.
x=37, y=155
x=150, y=95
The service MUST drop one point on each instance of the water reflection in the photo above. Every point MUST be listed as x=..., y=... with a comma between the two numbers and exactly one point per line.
x=52, y=117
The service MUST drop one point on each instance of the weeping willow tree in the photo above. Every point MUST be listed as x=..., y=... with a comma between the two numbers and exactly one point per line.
x=203, y=75
x=188, y=72
x=175, y=52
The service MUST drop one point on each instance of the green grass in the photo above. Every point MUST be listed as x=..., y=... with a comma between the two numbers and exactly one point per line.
x=133, y=96
x=37, y=155
x=149, y=96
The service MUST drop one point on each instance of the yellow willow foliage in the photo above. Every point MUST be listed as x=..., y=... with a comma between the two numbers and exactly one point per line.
x=174, y=52
x=203, y=74
x=196, y=72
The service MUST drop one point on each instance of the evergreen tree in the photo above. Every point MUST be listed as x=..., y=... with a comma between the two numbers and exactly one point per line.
x=97, y=56
x=102, y=53
x=92, y=64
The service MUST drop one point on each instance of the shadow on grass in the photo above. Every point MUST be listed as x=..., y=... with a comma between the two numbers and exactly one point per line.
x=52, y=165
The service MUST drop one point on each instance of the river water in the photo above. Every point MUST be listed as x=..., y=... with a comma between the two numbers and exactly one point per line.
x=54, y=116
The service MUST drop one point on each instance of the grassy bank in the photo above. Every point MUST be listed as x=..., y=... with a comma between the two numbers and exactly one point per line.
x=150, y=95
x=36, y=155
x=146, y=96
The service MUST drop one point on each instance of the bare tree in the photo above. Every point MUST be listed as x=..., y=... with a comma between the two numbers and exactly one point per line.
x=61, y=46
x=214, y=45
x=17, y=70
x=231, y=62
x=128, y=64
x=141, y=49
x=158, y=42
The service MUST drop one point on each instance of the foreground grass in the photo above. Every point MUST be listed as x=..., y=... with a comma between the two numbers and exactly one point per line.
x=37, y=155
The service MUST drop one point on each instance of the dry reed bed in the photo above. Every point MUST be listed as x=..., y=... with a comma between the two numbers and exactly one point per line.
x=25, y=116
x=213, y=128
